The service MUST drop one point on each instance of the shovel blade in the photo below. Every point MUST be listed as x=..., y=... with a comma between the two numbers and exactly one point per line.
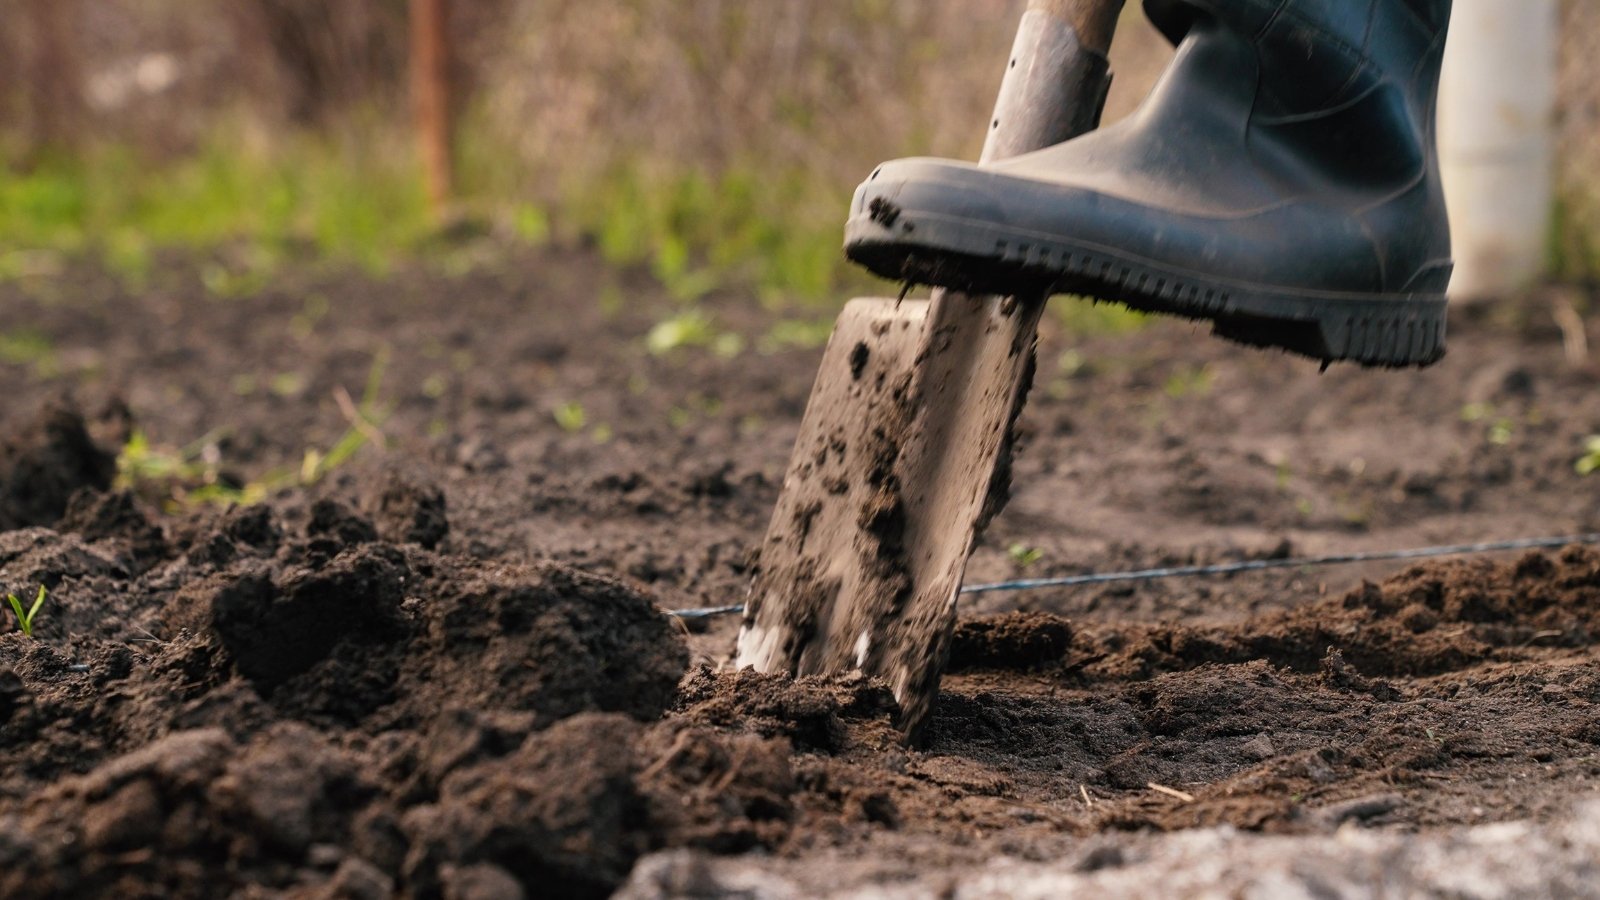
x=902, y=457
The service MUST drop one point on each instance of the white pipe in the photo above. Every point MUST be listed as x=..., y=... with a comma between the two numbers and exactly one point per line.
x=1496, y=141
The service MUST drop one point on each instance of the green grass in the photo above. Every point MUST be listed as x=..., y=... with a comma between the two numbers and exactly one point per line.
x=779, y=232
x=356, y=197
x=343, y=200
x=1085, y=318
x=25, y=347
x=360, y=200
x=180, y=477
x=692, y=328
x=1574, y=238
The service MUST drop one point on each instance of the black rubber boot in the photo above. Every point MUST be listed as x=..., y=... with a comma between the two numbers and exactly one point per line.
x=1282, y=180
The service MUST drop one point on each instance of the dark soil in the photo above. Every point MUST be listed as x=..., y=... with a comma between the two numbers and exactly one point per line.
x=442, y=669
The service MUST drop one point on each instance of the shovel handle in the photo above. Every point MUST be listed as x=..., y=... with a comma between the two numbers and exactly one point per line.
x=1094, y=20
x=1057, y=78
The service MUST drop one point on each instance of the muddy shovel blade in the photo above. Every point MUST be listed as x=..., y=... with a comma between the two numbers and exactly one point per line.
x=904, y=450
x=898, y=466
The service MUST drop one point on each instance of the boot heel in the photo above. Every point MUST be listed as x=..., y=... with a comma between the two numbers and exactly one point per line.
x=1413, y=335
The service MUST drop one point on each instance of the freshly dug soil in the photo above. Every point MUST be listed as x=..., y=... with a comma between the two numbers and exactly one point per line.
x=442, y=670
x=259, y=701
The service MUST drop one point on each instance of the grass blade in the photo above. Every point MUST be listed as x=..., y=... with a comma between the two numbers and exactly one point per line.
x=23, y=621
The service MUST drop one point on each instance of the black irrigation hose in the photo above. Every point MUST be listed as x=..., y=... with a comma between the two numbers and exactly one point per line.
x=1255, y=565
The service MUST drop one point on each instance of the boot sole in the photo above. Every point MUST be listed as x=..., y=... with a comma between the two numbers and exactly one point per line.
x=1373, y=330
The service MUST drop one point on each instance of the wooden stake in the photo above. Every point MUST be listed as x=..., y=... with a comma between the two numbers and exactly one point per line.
x=55, y=71
x=430, y=93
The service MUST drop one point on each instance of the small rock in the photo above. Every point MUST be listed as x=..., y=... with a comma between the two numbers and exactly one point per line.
x=483, y=881
x=1360, y=809
x=324, y=856
x=1259, y=748
x=357, y=879
x=128, y=819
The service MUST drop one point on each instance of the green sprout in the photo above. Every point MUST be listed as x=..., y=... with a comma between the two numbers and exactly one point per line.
x=1190, y=382
x=1024, y=556
x=1500, y=432
x=25, y=619
x=796, y=334
x=692, y=328
x=29, y=348
x=1589, y=463
x=571, y=417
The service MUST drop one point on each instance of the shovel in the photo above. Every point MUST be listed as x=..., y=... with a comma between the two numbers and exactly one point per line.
x=904, y=451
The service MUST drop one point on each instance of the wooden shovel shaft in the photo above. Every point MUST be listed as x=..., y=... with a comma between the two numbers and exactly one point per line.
x=973, y=373
x=1094, y=20
x=1056, y=79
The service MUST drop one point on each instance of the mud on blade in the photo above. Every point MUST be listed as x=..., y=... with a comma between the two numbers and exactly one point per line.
x=900, y=461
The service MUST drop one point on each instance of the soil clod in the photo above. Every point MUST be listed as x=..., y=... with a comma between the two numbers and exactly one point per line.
x=44, y=462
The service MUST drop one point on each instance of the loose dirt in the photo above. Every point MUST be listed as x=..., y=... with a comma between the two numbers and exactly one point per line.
x=442, y=670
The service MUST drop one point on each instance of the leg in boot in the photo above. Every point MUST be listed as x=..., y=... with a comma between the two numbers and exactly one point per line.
x=1281, y=180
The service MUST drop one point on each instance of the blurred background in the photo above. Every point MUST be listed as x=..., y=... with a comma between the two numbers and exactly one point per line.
x=716, y=141
x=1577, y=228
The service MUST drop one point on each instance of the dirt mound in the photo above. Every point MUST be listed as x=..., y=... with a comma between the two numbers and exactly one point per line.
x=1427, y=620
x=410, y=509
x=120, y=518
x=31, y=557
x=554, y=813
x=1017, y=641
x=282, y=808
x=550, y=639
x=44, y=462
x=571, y=809
x=567, y=809
x=826, y=714
x=274, y=628
x=316, y=705
x=376, y=637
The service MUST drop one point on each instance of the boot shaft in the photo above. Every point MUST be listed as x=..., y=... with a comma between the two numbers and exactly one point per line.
x=1319, y=54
